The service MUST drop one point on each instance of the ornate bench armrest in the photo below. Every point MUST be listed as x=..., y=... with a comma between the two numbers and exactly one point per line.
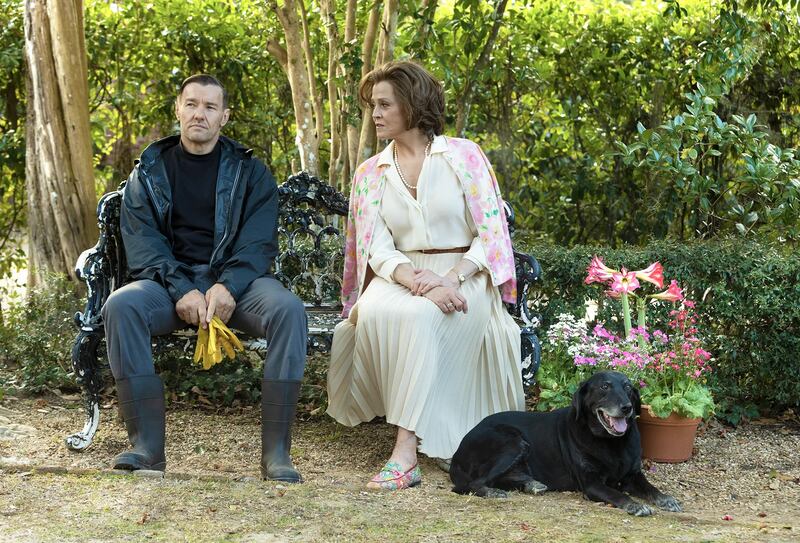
x=102, y=267
x=529, y=272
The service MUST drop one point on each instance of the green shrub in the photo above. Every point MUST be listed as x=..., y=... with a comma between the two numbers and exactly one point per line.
x=37, y=333
x=748, y=296
x=232, y=383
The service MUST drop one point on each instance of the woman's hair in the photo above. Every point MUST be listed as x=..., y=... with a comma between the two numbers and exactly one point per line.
x=420, y=95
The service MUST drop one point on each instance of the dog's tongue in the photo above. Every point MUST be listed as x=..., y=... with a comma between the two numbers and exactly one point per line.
x=620, y=424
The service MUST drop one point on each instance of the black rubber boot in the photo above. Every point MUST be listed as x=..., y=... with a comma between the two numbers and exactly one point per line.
x=278, y=407
x=141, y=404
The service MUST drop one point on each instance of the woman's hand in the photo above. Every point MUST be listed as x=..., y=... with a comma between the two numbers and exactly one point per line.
x=425, y=280
x=448, y=299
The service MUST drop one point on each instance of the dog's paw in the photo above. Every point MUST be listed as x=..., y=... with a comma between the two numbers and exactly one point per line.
x=637, y=509
x=534, y=487
x=495, y=493
x=668, y=503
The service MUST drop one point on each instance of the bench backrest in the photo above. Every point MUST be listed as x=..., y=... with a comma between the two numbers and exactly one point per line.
x=311, y=222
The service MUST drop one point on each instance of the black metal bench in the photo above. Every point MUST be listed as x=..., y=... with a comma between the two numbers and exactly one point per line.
x=311, y=222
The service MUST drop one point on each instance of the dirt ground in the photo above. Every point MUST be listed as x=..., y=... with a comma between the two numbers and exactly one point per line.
x=741, y=485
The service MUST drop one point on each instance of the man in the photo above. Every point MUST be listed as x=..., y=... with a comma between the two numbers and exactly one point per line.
x=199, y=223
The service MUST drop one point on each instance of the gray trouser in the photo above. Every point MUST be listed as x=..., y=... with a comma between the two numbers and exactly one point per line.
x=141, y=309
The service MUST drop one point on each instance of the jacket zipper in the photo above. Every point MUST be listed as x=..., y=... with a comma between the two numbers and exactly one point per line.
x=228, y=218
x=149, y=185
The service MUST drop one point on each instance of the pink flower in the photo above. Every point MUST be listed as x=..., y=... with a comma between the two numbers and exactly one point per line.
x=597, y=272
x=672, y=294
x=654, y=273
x=624, y=282
x=601, y=332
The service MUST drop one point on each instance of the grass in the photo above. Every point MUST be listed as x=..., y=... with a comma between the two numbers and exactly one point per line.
x=212, y=491
x=104, y=507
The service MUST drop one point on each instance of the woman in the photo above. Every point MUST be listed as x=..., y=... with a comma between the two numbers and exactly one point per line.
x=426, y=340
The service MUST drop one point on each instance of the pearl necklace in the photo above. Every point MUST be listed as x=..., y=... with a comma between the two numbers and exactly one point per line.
x=397, y=164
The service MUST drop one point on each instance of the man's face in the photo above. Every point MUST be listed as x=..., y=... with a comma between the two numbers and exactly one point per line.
x=200, y=111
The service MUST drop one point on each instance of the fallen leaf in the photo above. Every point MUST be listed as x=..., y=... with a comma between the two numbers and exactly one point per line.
x=144, y=518
x=727, y=517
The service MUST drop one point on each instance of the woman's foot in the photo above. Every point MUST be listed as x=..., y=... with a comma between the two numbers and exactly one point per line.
x=391, y=477
x=401, y=471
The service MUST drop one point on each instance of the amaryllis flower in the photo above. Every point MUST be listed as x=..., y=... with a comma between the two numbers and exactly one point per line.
x=654, y=273
x=672, y=294
x=597, y=272
x=624, y=282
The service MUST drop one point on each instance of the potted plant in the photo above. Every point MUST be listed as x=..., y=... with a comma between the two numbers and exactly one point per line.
x=670, y=366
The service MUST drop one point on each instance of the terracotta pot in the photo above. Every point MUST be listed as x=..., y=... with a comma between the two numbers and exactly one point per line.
x=667, y=440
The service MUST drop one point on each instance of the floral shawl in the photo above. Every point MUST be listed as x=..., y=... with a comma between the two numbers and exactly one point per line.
x=483, y=200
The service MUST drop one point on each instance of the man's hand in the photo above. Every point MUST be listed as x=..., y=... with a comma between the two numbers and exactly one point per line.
x=191, y=308
x=219, y=302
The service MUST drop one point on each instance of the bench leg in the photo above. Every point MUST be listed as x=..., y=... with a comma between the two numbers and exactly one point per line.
x=531, y=355
x=87, y=372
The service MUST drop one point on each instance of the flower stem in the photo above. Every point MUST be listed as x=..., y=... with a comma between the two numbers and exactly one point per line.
x=640, y=307
x=626, y=314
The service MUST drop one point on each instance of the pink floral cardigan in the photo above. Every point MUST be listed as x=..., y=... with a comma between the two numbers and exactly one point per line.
x=483, y=199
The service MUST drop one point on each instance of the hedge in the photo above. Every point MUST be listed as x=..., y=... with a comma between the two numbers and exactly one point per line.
x=748, y=296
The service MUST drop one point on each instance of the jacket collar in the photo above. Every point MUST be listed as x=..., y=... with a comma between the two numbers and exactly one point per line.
x=385, y=158
x=153, y=151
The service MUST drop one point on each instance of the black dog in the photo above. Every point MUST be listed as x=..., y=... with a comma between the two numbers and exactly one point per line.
x=592, y=446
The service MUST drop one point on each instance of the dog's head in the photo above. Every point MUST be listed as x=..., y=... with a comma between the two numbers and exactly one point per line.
x=608, y=402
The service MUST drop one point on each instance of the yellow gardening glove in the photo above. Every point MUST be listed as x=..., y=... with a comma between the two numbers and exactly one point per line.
x=215, y=343
x=202, y=345
x=230, y=337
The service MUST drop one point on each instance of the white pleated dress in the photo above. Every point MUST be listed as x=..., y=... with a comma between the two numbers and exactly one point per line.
x=397, y=355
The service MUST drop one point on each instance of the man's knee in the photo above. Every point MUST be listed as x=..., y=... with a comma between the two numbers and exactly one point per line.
x=291, y=308
x=121, y=302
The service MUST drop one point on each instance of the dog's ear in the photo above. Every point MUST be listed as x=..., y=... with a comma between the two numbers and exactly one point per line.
x=636, y=400
x=577, y=399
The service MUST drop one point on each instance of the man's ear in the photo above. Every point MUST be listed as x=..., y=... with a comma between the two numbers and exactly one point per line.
x=225, y=116
x=177, y=108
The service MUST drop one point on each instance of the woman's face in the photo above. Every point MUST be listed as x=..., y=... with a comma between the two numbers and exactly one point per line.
x=386, y=112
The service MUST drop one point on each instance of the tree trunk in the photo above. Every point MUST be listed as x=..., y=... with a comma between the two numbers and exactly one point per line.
x=350, y=110
x=338, y=158
x=303, y=103
x=465, y=98
x=367, y=139
x=58, y=167
x=388, y=32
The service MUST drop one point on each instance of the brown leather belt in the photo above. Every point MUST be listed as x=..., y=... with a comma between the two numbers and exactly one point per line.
x=443, y=251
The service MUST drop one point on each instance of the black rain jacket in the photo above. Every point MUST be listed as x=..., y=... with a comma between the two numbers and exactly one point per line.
x=245, y=222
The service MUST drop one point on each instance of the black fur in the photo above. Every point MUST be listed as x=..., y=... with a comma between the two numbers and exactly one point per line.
x=567, y=449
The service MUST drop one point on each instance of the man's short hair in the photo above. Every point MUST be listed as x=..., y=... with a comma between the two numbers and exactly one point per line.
x=420, y=95
x=205, y=79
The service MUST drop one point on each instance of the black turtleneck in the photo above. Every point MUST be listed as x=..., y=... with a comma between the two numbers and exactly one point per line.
x=193, y=179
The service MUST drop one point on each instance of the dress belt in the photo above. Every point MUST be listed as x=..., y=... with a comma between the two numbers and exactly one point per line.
x=443, y=251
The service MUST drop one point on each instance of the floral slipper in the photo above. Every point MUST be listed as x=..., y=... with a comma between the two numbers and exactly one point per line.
x=392, y=478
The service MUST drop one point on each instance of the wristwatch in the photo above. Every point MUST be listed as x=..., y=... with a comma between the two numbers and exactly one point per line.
x=461, y=278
